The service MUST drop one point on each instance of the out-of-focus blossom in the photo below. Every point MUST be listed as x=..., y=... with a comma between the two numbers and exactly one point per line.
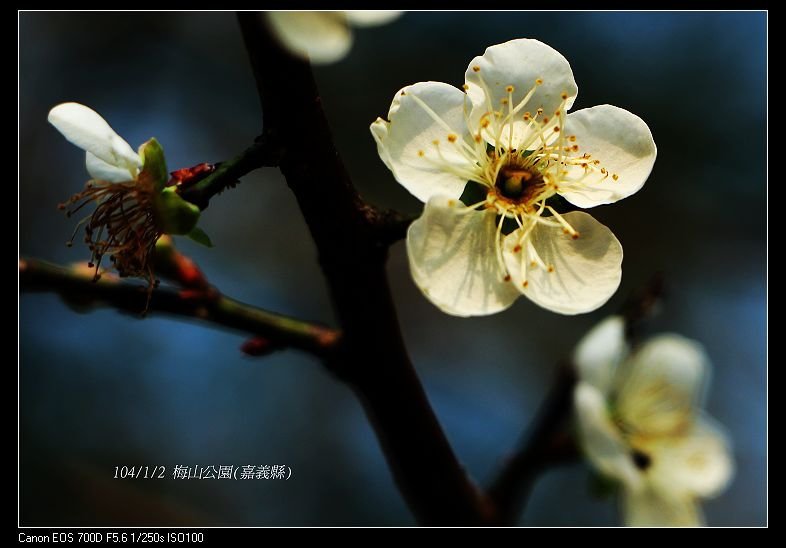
x=640, y=422
x=323, y=36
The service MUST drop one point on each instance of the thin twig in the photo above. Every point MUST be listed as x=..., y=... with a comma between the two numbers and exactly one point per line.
x=78, y=289
x=548, y=441
x=262, y=153
x=642, y=305
x=389, y=226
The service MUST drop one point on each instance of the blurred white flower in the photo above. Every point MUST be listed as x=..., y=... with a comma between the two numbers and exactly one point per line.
x=323, y=36
x=641, y=423
x=510, y=133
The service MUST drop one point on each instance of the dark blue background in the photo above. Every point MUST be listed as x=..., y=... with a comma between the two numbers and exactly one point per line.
x=102, y=389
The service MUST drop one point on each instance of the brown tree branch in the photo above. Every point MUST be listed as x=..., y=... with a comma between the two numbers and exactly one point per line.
x=549, y=441
x=352, y=252
x=77, y=288
x=389, y=225
x=642, y=305
x=261, y=154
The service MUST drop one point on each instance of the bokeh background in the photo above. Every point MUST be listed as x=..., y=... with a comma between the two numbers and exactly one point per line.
x=101, y=390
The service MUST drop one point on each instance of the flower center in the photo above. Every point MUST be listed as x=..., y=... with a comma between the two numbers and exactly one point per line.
x=519, y=184
x=641, y=460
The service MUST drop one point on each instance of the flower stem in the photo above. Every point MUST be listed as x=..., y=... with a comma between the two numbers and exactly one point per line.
x=226, y=175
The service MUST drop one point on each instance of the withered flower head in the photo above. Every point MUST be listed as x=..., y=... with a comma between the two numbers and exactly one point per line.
x=133, y=204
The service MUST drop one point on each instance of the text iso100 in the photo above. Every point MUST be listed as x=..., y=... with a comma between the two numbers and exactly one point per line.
x=153, y=537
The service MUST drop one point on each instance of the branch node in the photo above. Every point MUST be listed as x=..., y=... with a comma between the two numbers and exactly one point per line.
x=388, y=226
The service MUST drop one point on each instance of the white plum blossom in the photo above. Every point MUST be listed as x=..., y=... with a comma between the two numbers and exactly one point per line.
x=640, y=422
x=508, y=134
x=134, y=205
x=323, y=36
x=108, y=156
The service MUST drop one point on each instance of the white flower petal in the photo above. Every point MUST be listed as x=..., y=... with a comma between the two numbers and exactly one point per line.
x=574, y=275
x=520, y=64
x=698, y=464
x=324, y=37
x=599, y=353
x=85, y=128
x=623, y=144
x=100, y=170
x=420, y=115
x=453, y=259
x=371, y=18
x=662, y=385
x=650, y=508
x=601, y=439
